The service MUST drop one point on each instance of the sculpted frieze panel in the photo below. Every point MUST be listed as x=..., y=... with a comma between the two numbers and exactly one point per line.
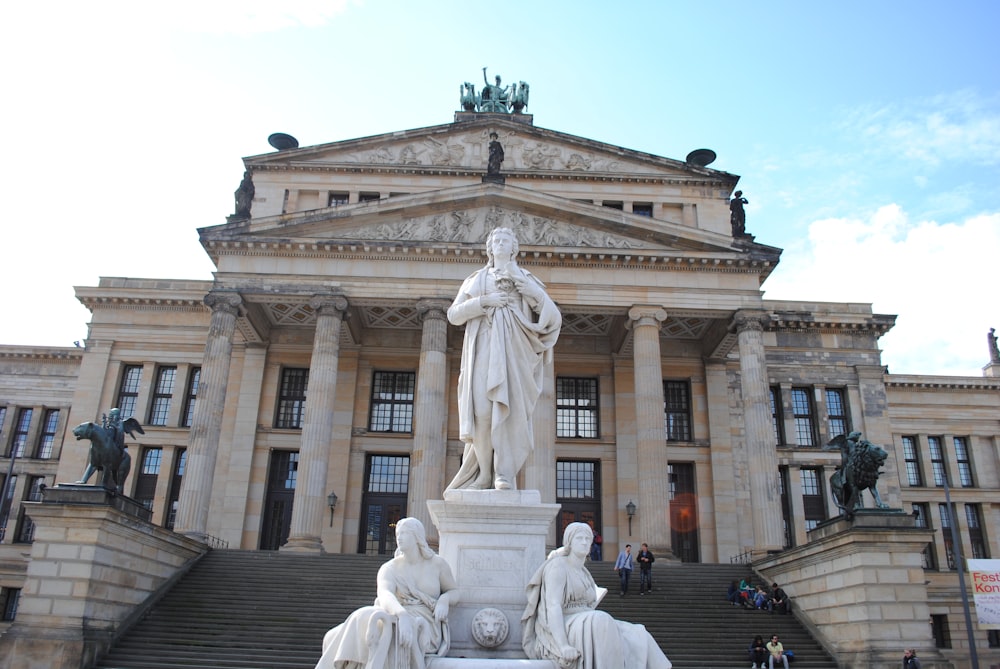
x=473, y=226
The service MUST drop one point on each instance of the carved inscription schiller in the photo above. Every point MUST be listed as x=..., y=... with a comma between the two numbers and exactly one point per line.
x=489, y=567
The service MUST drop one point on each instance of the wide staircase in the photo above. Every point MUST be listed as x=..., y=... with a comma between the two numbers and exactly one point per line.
x=268, y=610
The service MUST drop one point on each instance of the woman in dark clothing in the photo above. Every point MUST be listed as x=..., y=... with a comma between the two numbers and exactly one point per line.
x=758, y=652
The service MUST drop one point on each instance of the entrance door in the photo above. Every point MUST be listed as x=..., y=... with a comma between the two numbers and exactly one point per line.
x=683, y=512
x=578, y=491
x=383, y=504
x=282, y=474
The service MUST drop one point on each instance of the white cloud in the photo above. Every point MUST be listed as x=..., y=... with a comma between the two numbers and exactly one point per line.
x=940, y=279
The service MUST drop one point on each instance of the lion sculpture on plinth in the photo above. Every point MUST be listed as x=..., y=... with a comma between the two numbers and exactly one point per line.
x=858, y=471
x=108, y=453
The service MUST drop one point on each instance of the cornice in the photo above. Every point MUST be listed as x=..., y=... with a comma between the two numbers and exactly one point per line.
x=41, y=353
x=141, y=303
x=914, y=382
x=877, y=326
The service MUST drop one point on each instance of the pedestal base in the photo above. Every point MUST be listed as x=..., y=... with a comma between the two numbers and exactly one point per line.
x=494, y=541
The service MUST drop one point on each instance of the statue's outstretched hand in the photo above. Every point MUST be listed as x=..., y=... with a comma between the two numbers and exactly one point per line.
x=404, y=625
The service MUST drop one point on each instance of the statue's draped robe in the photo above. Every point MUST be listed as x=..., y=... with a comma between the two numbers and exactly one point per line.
x=346, y=646
x=511, y=346
x=603, y=641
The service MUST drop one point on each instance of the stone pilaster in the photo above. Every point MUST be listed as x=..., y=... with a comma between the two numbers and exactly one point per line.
x=206, y=424
x=654, y=485
x=317, y=428
x=539, y=473
x=427, y=462
x=762, y=458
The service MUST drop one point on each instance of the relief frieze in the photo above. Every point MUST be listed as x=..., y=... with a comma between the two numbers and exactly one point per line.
x=473, y=226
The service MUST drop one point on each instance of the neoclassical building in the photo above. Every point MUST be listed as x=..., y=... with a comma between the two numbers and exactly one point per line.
x=305, y=398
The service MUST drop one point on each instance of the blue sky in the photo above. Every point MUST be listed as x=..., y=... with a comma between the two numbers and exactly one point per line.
x=866, y=134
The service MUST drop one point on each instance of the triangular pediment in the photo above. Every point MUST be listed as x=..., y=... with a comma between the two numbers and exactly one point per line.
x=465, y=215
x=464, y=147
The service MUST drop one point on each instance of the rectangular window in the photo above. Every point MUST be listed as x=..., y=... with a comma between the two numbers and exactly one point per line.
x=149, y=471
x=813, y=505
x=993, y=638
x=175, y=487
x=964, y=465
x=974, y=519
x=389, y=473
x=576, y=479
x=7, y=503
x=26, y=526
x=802, y=412
x=642, y=209
x=677, y=409
x=836, y=412
x=939, y=628
x=337, y=199
x=368, y=197
x=20, y=437
x=9, y=597
x=392, y=402
x=163, y=393
x=777, y=420
x=48, y=437
x=921, y=516
x=292, y=398
x=128, y=392
x=949, y=546
x=3, y=417
x=914, y=477
x=613, y=205
x=937, y=461
x=191, y=396
x=576, y=408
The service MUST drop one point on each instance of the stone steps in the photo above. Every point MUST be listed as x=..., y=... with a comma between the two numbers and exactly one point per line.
x=268, y=610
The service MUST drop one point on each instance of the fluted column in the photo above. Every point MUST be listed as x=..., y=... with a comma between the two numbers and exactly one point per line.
x=654, y=486
x=427, y=462
x=762, y=458
x=309, y=503
x=206, y=424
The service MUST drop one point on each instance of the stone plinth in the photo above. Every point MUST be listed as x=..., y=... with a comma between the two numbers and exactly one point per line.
x=494, y=541
x=94, y=560
x=859, y=585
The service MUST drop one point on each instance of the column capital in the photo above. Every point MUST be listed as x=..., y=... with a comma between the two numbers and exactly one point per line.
x=433, y=309
x=226, y=301
x=647, y=314
x=747, y=319
x=329, y=305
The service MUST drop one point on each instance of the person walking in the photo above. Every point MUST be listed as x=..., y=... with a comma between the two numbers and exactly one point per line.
x=623, y=565
x=645, y=560
x=910, y=660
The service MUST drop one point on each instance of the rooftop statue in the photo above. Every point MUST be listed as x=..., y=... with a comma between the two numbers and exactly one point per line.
x=994, y=351
x=496, y=155
x=511, y=325
x=108, y=453
x=737, y=215
x=495, y=98
x=244, y=196
x=859, y=470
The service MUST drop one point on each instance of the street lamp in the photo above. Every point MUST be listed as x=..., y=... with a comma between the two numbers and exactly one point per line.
x=331, y=500
x=630, y=510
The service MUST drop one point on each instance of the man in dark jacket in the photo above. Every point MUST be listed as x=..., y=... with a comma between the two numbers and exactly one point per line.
x=645, y=560
x=779, y=600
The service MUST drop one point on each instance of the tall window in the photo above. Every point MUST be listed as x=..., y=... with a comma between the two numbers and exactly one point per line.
x=576, y=479
x=974, y=518
x=937, y=461
x=921, y=515
x=813, y=504
x=392, y=402
x=836, y=412
x=48, y=437
x=777, y=420
x=964, y=465
x=802, y=411
x=949, y=546
x=939, y=628
x=180, y=462
x=3, y=417
x=149, y=472
x=191, y=396
x=21, y=432
x=163, y=393
x=6, y=503
x=677, y=407
x=576, y=408
x=9, y=598
x=292, y=398
x=128, y=393
x=913, y=475
x=26, y=526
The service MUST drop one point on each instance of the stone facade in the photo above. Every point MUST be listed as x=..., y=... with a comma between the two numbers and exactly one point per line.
x=318, y=361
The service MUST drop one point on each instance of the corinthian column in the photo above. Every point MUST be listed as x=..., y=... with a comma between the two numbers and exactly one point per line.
x=206, y=424
x=427, y=462
x=317, y=427
x=762, y=458
x=651, y=442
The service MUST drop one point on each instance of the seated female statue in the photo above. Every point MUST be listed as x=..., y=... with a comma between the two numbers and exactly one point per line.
x=415, y=591
x=562, y=624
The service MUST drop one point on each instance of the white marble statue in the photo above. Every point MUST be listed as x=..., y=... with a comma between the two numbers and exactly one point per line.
x=409, y=618
x=562, y=624
x=511, y=325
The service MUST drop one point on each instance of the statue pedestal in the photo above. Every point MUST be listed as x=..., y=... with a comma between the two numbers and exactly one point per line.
x=859, y=586
x=494, y=541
